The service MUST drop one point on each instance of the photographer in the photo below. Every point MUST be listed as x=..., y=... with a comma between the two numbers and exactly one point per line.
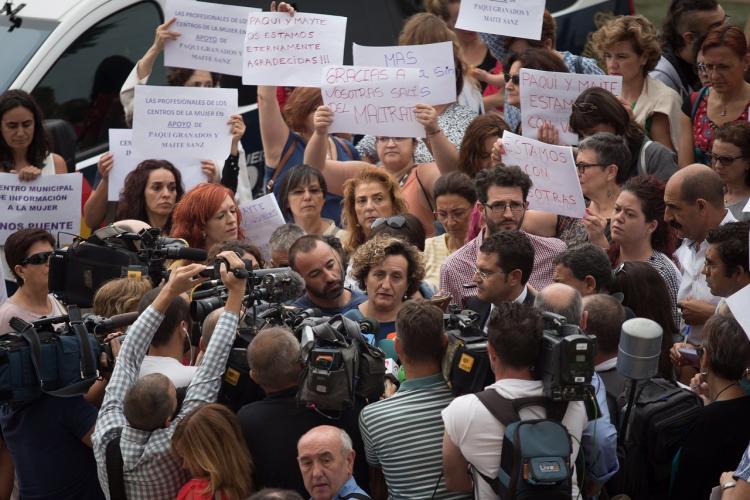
x=141, y=411
x=472, y=434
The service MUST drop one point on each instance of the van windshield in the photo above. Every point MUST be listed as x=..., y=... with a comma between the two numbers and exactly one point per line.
x=18, y=46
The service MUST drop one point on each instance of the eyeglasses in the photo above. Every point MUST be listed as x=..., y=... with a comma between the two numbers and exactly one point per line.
x=719, y=68
x=386, y=140
x=485, y=275
x=585, y=107
x=723, y=160
x=300, y=191
x=500, y=207
x=394, y=222
x=581, y=166
x=514, y=79
x=37, y=258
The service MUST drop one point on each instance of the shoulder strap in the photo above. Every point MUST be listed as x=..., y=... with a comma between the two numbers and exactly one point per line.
x=501, y=408
x=642, y=163
x=280, y=166
x=424, y=191
x=344, y=144
x=698, y=98
x=115, y=469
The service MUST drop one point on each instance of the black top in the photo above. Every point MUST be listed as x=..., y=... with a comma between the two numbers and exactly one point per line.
x=687, y=73
x=272, y=428
x=483, y=308
x=714, y=445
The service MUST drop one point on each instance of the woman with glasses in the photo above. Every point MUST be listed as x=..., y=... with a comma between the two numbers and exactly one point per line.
x=302, y=196
x=730, y=158
x=639, y=233
x=390, y=271
x=727, y=99
x=27, y=253
x=455, y=198
x=629, y=47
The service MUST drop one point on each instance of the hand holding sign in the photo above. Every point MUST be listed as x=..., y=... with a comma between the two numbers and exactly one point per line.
x=164, y=34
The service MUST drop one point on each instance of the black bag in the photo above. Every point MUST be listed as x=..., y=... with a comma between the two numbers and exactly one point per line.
x=662, y=416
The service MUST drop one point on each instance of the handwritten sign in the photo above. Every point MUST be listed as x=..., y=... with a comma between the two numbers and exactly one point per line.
x=370, y=100
x=552, y=169
x=182, y=122
x=549, y=96
x=291, y=50
x=212, y=36
x=260, y=217
x=50, y=202
x=124, y=162
x=434, y=61
x=515, y=18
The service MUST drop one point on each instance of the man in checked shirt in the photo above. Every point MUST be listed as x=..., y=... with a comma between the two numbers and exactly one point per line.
x=141, y=410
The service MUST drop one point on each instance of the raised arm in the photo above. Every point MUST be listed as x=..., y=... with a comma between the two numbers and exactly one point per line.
x=443, y=151
x=334, y=172
x=95, y=208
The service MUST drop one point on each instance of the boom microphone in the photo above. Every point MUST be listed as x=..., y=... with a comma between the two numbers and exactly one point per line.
x=115, y=322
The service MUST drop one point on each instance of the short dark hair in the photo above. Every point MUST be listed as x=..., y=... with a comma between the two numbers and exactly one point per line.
x=515, y=332
x=335, y=243
x=737, y=134
x=178, y=310
x=672, y=25
x=303, y=244
x=541, y=59
x=513, y=250
x=457, y=183
x=419, y=327
x=238, y=247
x=587, y=259
x=605, y=318
x=731, y=241
x=727, y=347
x=147, y=404
x=610, y=149
x=299, y=175
x=18, y=244
x=504, y=176
x=177, y=77
x=703, y=183
x=412, y=231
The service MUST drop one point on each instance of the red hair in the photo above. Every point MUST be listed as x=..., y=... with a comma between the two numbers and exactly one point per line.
x=192, y=213
x=726, y=36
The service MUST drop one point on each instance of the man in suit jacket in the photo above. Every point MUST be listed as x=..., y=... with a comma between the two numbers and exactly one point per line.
x=504, y=264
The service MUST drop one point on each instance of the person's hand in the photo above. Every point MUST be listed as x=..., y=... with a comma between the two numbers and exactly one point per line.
x=698, y=386
x=676, y=357
x=427, y=116
x=27, y=173
x=498, y=150
x=696, y=312
x=105, y=165
x=232, y=282
x=322, y=119
x=237, y=128
x=208, y=167
x=726, y=477
x=282, y=7
x=548, y=133
x=164, y=34
x=183, y=279
x=595, y=226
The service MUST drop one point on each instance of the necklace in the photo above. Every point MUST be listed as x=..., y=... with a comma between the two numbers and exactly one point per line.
x=724, y=389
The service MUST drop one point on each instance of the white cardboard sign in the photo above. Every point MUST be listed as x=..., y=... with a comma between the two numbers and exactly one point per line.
x=50, y=202
x=738, y=304
x=552, y=169
x=371, y=100
x=434, y=61
x=182, y=122
x=549, y=96
x=289, y=50
x=124, y=162
x=260, y=217
x=212, y=36
x=515, y=18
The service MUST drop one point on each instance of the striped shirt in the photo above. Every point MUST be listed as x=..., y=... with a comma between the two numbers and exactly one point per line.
x=404, y=436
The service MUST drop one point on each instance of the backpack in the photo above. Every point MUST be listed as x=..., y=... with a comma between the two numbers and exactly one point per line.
x=662, y=415
x=535, y=457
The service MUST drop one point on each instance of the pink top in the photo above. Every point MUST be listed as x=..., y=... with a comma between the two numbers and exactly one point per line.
x=9, y=309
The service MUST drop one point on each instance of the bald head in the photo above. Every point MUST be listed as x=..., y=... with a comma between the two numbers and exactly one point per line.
x=274, y=359
x=209, y=324
x=561, y=299
x=697, y=181
x=150, y=403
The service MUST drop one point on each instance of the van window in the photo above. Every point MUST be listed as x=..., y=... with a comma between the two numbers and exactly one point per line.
x=83, y=86
x=18, y=47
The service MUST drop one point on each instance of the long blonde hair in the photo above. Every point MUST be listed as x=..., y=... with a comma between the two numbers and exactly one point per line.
x=211, y=444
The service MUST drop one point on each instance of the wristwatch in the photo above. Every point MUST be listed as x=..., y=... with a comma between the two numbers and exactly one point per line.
x=728, y=484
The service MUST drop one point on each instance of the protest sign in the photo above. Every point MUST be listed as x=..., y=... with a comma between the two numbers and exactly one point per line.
x=124, y=162
x=182, y=122
x=212, y=36
x=738, y=303
x=502, y=17
x=434, y=61
x=552, y=169
x=549, y=96
x=370, y=100
x=50, y=202
x=260, y=217
x=291, y=50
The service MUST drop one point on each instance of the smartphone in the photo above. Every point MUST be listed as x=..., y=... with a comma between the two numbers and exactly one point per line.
x=690, y=354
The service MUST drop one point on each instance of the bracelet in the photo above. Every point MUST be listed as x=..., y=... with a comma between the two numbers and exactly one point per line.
x=430, y=134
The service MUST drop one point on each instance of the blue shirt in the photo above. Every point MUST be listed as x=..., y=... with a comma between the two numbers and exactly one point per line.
x=358, y=297
x=386, y=327
x=349, y=487
x=599, y=439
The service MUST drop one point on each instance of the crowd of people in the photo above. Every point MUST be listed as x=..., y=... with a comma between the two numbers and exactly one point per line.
x=391, y=230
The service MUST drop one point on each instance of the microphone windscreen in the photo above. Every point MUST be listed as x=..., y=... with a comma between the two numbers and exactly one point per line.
x=116, y=321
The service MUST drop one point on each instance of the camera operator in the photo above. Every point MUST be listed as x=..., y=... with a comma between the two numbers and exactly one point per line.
x=472, y=434
x=141, y=411
x=273, y=425
x=321, y=267
x=599, y=438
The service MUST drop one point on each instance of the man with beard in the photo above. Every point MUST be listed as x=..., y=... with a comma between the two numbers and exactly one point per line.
x=320, y=266
x=694, y=199
x=502, y=191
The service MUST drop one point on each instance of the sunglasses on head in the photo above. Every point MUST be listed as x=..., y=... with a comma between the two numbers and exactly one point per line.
x=394, y=222
x=37, y=258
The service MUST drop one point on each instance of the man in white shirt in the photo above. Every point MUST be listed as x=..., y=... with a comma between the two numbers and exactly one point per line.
x=694, y=199
x=472, y=435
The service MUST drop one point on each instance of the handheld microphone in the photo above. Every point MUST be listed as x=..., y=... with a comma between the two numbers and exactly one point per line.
x=115, y=322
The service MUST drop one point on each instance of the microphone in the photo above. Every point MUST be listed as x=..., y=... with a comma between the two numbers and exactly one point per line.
x=369, y=325
x=187, y=253
x=116, y=321
x=292, y=284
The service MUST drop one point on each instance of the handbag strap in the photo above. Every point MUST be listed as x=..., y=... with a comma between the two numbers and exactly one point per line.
x=279, y=167
x=424, y=191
